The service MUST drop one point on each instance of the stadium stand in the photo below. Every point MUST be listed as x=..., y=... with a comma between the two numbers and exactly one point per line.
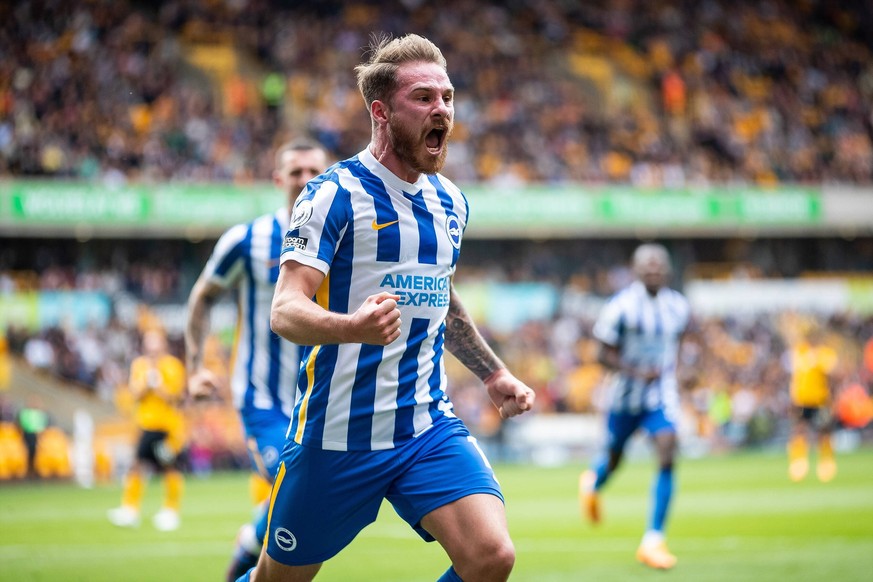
x=666, y=94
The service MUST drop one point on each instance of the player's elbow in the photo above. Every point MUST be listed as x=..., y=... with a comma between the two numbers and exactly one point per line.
x=278, y=323
x=282, y=319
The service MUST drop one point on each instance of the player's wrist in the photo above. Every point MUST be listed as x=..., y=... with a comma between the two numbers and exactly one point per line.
x=493, y=376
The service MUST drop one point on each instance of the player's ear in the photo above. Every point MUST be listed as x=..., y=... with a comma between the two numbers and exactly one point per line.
x=379, y=112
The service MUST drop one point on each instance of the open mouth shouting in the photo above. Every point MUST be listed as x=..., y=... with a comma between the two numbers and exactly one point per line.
x=435, y=139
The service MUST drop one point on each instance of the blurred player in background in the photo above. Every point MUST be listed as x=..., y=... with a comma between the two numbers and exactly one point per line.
x=812, y=362
x=265, y=367
x=640, y=330
x=375, y=242
x=157, y=381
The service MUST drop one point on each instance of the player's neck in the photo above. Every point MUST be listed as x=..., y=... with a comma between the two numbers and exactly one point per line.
x=381, y=149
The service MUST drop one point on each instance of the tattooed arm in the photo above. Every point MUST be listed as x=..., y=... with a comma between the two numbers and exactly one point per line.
x=466, y=343
x=463, y=340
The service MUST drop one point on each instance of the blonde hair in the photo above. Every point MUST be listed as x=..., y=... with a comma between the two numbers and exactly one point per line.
x=377, y=78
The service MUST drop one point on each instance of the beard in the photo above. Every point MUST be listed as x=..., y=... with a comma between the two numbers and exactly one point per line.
x=411, y=149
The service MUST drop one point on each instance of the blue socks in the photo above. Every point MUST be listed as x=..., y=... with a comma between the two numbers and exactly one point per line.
x=662, y=491
x=450, y=576
x=601, y=469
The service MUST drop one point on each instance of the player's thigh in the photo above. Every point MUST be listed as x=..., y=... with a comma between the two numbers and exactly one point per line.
x=470, y=528
x=269, y=570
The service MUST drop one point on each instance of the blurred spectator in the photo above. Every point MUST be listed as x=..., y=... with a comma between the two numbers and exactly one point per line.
x=13, y=452
x=854, y=407
x=33, y=420
x=5, y=366
x=52, y=459
x=39, y=353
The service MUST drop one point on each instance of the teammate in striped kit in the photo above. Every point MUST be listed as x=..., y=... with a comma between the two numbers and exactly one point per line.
x=375, y=241
x=640, y=331
x=265, y=367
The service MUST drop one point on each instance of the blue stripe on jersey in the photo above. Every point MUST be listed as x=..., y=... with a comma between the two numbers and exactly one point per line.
x=388, y=236
x=364, y=397
x=447, y=204
x=436, y=391
x=341, y=273
x=407, y=379
x=325, y=363
x=427, y=241
x=240, y=250
x=337, y=218
x=275, y=344
x=250, y=314
x=625, y=387
x=276, y=243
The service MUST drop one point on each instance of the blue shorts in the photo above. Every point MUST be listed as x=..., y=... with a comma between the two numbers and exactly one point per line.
x=322, y=499
x=620, y=426
x=265, y=439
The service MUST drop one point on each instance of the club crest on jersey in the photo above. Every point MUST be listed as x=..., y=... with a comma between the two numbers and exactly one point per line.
x=453, y=229
x=302, y=214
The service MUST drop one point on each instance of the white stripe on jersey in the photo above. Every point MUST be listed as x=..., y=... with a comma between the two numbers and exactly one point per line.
x=369, y=232
x=647, y=331
x=265, y=366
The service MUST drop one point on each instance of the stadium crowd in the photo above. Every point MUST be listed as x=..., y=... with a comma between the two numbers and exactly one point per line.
x=666, y=94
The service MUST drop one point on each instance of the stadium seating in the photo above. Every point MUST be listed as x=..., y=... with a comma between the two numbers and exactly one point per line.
x=650, y=94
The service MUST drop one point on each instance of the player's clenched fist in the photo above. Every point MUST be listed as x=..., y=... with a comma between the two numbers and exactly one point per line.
x=377, y=321
x=510, y=395
x=202, y=383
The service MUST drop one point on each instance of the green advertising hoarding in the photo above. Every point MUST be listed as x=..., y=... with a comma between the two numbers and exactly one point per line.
x=620, y=206
x=557, y=210
x=58, y=203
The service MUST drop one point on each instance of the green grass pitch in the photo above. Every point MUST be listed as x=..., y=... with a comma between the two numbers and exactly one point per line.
x=735, y=518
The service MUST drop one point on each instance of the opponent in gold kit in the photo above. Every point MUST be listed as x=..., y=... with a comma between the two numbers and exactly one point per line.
x=157, y=383
x=812, y=362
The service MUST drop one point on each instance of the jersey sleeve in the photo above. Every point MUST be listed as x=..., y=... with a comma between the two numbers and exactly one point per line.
x=607, y=328
x=227, y=261
x=318, y=222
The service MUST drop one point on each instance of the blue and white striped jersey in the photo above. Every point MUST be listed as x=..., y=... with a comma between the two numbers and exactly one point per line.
x=647, y=331
x=265, y=366
x=369, y=231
